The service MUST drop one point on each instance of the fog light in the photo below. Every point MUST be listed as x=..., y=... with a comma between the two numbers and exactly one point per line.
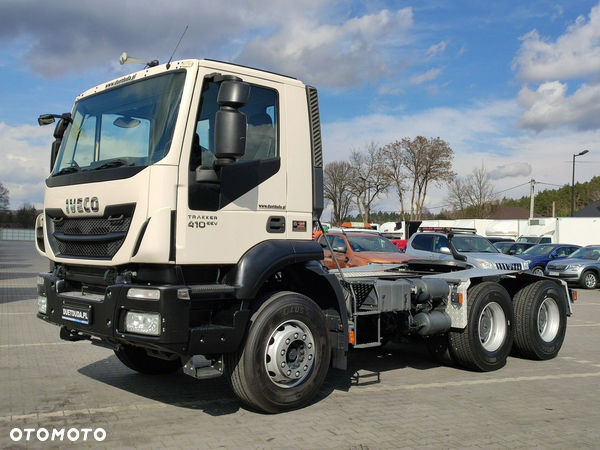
x=143, y=294
x=142, y=323
x=42, y=304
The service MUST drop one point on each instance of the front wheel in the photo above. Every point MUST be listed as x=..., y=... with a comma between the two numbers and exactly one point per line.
x=589, y=280
x=541, y=318
x=486, y=342
x=284, y=359
x=538, y=271
x=136, y=358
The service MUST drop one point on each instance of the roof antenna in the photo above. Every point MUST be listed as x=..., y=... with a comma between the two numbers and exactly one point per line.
x=169, y=63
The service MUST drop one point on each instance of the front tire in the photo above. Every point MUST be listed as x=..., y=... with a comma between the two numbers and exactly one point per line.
x=486, y=342
x=589, y=280
x=284, y=359
x=539, y=271
x=136, y=358
x=541, y=320
x=439, y=347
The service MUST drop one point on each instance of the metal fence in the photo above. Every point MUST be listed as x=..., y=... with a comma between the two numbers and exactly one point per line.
x=17, y=234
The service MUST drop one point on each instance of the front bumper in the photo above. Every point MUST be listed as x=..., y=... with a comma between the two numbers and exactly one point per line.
x=86, y=315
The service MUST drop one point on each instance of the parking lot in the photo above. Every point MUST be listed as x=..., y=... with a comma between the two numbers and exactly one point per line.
x=394, y=397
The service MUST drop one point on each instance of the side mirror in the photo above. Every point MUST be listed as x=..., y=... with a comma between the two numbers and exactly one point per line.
x=230, y=123
x=340, y=248
x=230, y=129
x=445, y=251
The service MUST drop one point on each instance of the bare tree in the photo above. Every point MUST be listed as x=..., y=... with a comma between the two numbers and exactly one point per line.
x=480, y=191
x=4, y=197
x=474, y=193
x=457, y=195
x=395, y=155
x=428, y=161
x=370, y=178
x=337, y=180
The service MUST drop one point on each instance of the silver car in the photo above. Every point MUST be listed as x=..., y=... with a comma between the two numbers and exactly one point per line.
x=461, y=244
x=581, y=267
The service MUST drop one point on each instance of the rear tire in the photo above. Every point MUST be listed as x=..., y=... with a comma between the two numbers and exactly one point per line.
x=284, y=359
x=136, y=358
x=589, y=280
x=541, y=320
x=485, y=343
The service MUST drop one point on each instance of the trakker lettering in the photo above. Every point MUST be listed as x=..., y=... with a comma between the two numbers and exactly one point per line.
x=82, y=205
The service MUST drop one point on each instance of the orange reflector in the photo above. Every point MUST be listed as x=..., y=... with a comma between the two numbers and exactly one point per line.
x=460, y=299
x=351, y=337
x=574, y=295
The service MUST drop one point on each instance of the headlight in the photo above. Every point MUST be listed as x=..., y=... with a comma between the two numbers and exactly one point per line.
x=575, y=266
x=485, y=264
x=142, y=323
x=525, y=265
x=42, y=304
x=143, y=294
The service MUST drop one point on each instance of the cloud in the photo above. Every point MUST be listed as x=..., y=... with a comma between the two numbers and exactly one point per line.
x=24, y=162
x=344, y=55
x=430, y=75
x=510, y=171
x=320, y=45
x=550, y=107
x=436, y=49
x=575, y=54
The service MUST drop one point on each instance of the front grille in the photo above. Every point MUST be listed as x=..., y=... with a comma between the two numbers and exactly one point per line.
x=94, y=237
x=557, y=267
x=508, y=266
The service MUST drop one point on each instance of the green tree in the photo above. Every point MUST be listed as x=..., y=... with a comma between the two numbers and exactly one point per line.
x=26, y=215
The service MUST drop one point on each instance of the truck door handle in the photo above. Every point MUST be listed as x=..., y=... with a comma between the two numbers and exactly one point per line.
x=276, y=224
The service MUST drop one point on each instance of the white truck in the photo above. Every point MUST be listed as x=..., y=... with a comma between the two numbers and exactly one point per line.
x=178, y=219
x=562, y=230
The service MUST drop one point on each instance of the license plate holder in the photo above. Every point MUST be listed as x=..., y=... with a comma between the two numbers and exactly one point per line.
x=553, y=274
x=77, y=313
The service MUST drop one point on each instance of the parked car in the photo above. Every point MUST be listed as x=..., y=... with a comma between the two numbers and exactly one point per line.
x=460, y=243
x=400, y=243
x=515, y=248
x=540, y=255
x=352, y=249
x=501, y=245
x=581, y=267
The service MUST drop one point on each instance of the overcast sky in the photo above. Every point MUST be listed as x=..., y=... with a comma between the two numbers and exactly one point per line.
x=513, y=85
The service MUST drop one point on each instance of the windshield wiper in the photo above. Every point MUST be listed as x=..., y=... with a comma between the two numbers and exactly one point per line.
x=68, y=169
x=112, y=164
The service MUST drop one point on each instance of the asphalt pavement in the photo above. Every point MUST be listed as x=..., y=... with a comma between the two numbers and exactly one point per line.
x=56, y=394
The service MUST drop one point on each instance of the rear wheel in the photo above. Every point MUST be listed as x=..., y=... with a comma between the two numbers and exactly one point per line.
x=589, y=280
x=284, y=359
x=486, y=341
x=136, y=358
x=541, y=320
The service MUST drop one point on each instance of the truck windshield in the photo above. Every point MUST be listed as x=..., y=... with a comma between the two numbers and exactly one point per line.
x=131, y=125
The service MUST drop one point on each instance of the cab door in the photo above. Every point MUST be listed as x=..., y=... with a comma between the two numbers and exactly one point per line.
x=219, y=220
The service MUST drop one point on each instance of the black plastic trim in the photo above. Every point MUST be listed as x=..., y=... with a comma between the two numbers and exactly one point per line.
x=262, y=260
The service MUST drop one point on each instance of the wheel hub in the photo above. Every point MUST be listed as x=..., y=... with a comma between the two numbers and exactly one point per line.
x=492, y=327
x=290, y=354
x=548, y=319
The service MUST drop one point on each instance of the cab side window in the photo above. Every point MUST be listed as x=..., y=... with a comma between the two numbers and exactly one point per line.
x=262, y=118
x=423, y=242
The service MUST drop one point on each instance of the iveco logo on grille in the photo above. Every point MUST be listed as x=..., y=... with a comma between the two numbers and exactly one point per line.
x=82, y=205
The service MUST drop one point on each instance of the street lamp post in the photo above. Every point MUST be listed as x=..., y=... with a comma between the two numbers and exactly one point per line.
x=573, y=180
